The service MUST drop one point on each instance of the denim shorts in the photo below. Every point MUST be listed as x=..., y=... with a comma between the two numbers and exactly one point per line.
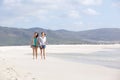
x=34, y=46
x=42, y=46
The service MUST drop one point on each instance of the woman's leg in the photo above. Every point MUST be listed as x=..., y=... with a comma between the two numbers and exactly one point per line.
x=33, y=52
x=41, y=52
x=44, y=53
x=36, y=52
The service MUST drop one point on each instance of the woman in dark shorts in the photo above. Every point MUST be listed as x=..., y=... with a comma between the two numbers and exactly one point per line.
x=42, y=42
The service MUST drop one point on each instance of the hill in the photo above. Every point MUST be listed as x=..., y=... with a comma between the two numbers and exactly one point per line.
x=17, y=36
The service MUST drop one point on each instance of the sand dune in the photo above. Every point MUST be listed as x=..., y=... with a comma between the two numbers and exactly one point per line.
x=16, y=63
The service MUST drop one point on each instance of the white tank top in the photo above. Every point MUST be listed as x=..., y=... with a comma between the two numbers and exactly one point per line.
x=42, y=40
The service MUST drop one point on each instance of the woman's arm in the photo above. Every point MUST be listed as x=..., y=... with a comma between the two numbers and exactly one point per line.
x=38, y=40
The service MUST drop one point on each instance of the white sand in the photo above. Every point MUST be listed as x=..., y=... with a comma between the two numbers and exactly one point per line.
x=16, y=63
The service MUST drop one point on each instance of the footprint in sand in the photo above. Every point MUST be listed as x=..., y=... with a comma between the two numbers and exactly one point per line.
x=33, y=79
x=30, y=76
x=14, y=78
x=12, y=75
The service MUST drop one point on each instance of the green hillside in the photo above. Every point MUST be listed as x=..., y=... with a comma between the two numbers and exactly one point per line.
x=15, y=36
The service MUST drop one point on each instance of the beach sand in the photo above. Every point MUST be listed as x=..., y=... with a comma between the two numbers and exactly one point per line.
x=64, y=62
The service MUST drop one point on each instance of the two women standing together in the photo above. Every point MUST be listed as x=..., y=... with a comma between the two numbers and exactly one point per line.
x=39, y=42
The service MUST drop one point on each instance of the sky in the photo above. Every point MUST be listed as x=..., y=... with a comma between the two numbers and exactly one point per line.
x=73, y=15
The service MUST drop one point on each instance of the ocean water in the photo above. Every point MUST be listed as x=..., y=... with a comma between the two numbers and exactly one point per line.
x=108, y=58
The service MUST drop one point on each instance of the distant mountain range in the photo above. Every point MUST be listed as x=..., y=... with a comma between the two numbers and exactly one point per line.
x=17, y=36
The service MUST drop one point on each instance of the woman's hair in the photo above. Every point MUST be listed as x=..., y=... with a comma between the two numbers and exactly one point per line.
x=44, y=33
x=36, y=34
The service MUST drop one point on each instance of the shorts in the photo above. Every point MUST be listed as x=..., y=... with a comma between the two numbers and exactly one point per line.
x=42, y=46
x=34, y=46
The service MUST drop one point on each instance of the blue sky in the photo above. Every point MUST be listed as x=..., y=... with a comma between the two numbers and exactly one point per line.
x=74, y=15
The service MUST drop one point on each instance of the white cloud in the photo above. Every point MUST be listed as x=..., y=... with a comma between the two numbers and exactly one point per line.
x=74, y=14
x=37, y=12
x=80, y=23
x=91, y=2
x=9, y=21
x=10, y=3
x=46, y=10
x=48, y=1
x=116, y=4
x=90, y=11
x=40, y=14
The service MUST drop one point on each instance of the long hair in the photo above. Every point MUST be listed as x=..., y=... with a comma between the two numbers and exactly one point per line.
x=36, y=34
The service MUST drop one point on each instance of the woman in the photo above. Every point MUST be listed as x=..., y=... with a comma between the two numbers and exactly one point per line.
x=34, y=44
x=42, y=42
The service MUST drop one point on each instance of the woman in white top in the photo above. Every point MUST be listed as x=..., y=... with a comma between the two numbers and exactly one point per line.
x=42, y=42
